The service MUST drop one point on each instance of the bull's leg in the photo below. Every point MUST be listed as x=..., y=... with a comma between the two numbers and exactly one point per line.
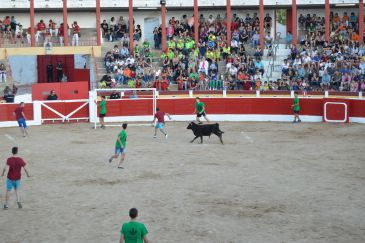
x=219, y=134
x=194, y=139
x=201, y=139
x=220, y=137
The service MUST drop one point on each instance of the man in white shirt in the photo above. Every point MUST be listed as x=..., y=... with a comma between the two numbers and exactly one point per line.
x=204, y=66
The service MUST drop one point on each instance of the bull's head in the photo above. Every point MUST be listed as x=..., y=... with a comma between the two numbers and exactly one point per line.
x=190, y=126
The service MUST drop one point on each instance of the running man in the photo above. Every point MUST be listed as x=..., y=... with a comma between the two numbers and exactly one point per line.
x=200, y=110
x=102, y=112
x=160, y=116
x=120, y=146
x=14, y=165
x=133, y=231
x=20, y=117
x=296, y=108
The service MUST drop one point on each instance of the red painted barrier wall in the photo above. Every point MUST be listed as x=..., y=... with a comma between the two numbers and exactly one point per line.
x=357, y=108
x=64, y=91
x=6, y=111
x=140, y=107
x=259, y=106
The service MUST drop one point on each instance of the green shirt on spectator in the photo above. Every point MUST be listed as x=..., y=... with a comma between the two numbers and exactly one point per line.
x=296, y=104
x=133, y=232
x=194, y=76
x=199, y=107
x=102, y=106
x=123, y=138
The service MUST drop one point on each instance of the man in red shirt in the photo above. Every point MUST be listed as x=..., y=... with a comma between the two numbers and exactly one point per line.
x=14, y=166
x=60, y=34
x=41, y=29
x=76, y=33
x=160, y=116
x=20, y=117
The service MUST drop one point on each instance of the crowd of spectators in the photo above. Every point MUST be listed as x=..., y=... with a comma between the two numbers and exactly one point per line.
x=316, y=64
x=197, y=67
x=125, y=69
x=47, y=34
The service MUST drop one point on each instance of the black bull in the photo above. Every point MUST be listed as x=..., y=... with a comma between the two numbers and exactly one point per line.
x=205, y=130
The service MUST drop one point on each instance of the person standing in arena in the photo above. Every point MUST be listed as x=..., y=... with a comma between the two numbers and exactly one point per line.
x=20, y=117
x=160, y=116
x=120, y=146
x=133, y=231
x=102, y=112
x=200, y=110
x=296, y=108
x=13, y=165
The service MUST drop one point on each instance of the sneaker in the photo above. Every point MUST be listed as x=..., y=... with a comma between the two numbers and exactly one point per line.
x=6, y=207
x=294, y=121
x=20, y=205
x=120, y=167
x=166, y=135
x=154, y=136
x=299, y=120
x=110, y=160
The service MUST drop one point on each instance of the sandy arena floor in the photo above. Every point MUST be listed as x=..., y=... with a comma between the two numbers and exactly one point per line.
x=270, y=182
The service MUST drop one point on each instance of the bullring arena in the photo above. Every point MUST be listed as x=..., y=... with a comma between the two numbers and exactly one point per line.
x=254, y=65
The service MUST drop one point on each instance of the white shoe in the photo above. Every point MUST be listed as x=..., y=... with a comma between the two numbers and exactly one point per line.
x=166, y=136
x=154, y=136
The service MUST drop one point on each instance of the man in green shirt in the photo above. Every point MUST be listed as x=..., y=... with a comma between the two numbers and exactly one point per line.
x=120, y=146
x=102, y=111
x=296, y=108
x=199, y=110
x=133, y=231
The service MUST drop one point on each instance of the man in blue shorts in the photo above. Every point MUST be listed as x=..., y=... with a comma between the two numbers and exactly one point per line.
x=14, y=165
x=20, y=117
x=160, y=116
x=120, y=146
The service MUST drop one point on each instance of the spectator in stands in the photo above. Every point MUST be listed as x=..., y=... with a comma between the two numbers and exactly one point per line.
x=114, y=95
x=61, y=34
x=105, y=81
x=137, y=33
x=76, y=33
x=41, y=30
x=8, y=95
x=52, y=28
x=52, y=95
x=3, y=73
x=105, y=27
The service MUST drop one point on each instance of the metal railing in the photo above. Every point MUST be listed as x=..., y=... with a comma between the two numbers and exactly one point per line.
x=54, y=41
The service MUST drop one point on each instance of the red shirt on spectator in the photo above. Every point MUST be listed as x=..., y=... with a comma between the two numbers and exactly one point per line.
x=160, y=116
x=60, y=30
x=19, y=112
x=6, y=22
x=15, y=165
x=41, y=26
x=76, y=28
x=246, y=85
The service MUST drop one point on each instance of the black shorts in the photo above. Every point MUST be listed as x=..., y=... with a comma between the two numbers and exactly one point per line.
x=296, y=112
x=200, y=114
x=102, y=115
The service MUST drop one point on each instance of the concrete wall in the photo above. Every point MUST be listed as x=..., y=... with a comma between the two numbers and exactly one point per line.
x=24, y=69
